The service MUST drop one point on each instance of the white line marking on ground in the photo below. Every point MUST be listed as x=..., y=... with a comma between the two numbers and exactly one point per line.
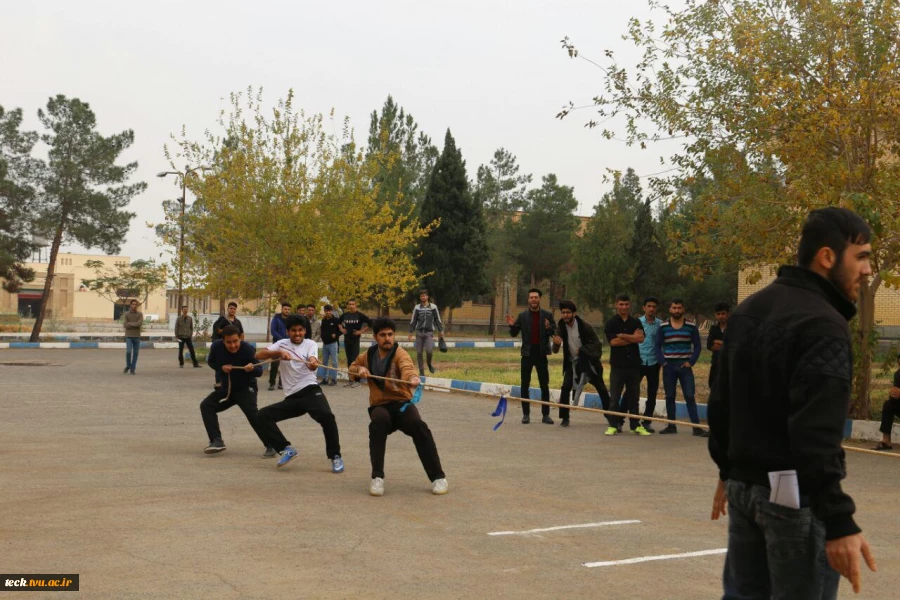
x=640, y=559
x=581, y=526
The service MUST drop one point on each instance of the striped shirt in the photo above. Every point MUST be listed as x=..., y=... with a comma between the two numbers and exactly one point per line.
x=679, y=345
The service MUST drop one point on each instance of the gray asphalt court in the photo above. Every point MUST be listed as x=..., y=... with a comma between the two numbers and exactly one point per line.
x=103, y=474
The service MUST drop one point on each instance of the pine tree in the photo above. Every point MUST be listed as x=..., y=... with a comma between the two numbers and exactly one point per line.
x=454, y=254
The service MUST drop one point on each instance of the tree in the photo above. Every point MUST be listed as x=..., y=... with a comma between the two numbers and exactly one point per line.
x=544, y=235
x=17, y=171
x=291, y=211
x=84, y=192
x=500, y=190
x=137, y=280
x=786, y=106
x=454, y=253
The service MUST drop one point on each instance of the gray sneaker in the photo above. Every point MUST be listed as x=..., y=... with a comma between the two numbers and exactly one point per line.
x=215, y=446
x=269, y=453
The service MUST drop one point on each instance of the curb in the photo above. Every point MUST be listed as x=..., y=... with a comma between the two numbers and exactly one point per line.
x=206, y=345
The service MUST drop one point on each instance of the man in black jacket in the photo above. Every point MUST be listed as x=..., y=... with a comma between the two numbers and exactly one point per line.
x=581, y=359
x=235, y=361
x=536, y=325
x=779, y=404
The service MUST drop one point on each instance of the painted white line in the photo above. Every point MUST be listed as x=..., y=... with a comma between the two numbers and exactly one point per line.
x=581, y=526
x=640, y=559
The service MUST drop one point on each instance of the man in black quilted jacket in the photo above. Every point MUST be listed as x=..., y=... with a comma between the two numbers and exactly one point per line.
x=779, y=404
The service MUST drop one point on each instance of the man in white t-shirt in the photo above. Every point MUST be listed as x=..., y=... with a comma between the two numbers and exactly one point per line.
x=302, y=394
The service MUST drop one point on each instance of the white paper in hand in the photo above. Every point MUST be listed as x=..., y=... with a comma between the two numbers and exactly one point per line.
x=785, y=489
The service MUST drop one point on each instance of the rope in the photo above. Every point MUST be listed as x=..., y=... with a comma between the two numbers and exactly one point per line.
x=600, y=411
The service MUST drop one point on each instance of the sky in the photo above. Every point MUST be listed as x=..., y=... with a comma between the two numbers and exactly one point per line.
x=494, y=73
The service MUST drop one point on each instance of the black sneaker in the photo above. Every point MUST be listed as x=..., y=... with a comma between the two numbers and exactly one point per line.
x=126, y=370
x=526, y=420
x=279, y=386
x=271, y=388
x=430, y=369
x=196, y=365
x=564, y=423
x=269, y=453
x=668, y=429
x=547, y=420
x=648, y=428
x=421, y=373
x=217, y=445
x=701, y=433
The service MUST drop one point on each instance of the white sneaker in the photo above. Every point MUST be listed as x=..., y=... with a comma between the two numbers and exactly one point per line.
x=377, y=487
x=439, y=487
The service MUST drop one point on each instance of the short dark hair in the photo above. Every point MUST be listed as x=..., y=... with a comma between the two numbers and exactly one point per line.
x=722, y=307
x=831, y=227
x=623, y=298
x=234, y=304
x=351, y=300
x=383, y=323
x=676, y=301
x=423, y=291
x=294, y=320
x=567, y=305
x=283, y=304
x=133, y=300
x=536, y=291
x=230, y=330
x=299, y=306
x=329, y=307
x=185, y=306
x=310, y=306
x=649, y=299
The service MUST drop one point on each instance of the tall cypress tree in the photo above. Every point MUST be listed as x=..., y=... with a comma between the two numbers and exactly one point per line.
x=456, y=251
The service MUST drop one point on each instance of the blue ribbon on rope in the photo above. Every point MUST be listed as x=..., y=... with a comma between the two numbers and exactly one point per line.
x=417, y=395
x=500, y=411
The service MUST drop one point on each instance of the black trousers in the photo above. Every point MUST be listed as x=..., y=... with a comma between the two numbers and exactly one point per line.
x=351, y=347
x=651, y=373
x=273, y=372
x=213, y=404
x=182, y=342
x=310, y=400
x=385, y=420
x=565, y=392
x=629, y=380
x=536, y=359
x=890, y=410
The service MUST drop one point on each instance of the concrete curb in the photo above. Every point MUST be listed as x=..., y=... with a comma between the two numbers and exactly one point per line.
x=170, y=345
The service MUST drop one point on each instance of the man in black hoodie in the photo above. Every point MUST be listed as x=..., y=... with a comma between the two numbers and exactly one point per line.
x=779, y=403
x=536, y=325
x=581, y=359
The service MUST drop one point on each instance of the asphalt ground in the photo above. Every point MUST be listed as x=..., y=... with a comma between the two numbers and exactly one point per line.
x=103, y=474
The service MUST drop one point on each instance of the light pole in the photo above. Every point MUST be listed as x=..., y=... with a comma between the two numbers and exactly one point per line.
x=187, y=171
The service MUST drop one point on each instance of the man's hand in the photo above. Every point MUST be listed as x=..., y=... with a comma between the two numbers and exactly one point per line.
x=895, y=393
x=312, y=363
x=510, y=321
x=843, y=556
x=546, y=323
x=362, y=373
x=226, y=369
x=249, y=367
x=557, y=340
x=358, y=332
x=717, y=345
x=686, y=365
x=409, y=338
x=285, y=355
x=720, y=501
x=415, y=381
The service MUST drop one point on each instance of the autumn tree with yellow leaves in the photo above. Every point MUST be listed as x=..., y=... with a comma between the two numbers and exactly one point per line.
x=290, y=211
x=783, y=106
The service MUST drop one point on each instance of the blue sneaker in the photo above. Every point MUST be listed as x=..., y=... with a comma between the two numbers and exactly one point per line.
x=337, y=464
x=286, y=455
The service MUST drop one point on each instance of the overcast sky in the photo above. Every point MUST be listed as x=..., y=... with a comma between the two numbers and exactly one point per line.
x=493, y=72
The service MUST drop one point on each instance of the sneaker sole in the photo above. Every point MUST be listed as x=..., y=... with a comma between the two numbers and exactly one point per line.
x=281, y=464
x=341, y=470
x=434, y=493
x=377, y=494
x=213, y=450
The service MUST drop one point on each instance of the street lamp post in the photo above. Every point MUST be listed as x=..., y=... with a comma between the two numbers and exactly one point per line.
x=187, y=171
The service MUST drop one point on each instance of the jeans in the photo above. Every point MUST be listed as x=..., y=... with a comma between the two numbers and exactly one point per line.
x=685, y=376
x=629, y=380
x=182, y=342
x=330, y=359
x=132, y=348
x=424, y=344
x=774, y=551
x=310, y=400
x=651, y=372
x=386, y=419
x=538, y=360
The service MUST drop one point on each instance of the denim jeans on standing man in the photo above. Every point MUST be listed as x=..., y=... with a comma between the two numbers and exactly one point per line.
x=330, y=355
x=774, y=551
x=132, y=347
x=684, y=375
